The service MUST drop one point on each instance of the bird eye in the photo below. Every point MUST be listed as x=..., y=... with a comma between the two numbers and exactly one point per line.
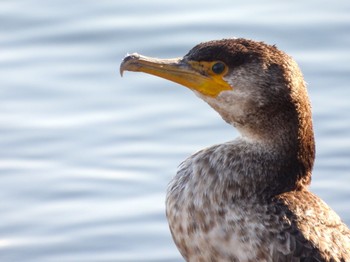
x=218, y=67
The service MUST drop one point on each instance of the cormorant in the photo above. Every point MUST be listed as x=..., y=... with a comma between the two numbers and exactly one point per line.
x=248, y=199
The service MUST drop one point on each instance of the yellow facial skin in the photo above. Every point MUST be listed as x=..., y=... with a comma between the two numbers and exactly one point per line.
x=195, y=75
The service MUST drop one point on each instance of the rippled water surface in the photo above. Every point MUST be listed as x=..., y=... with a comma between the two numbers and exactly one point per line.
x=86, y=155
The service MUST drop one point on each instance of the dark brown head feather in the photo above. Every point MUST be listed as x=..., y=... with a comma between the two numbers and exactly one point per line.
x=234, y=52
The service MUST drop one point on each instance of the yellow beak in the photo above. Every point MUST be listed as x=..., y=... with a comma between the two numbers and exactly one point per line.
x=192, y=74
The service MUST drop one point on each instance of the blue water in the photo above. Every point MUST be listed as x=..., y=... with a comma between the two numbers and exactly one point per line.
x=86, y=155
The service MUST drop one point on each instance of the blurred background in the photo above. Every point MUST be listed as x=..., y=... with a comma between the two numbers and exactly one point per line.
x=86, y=156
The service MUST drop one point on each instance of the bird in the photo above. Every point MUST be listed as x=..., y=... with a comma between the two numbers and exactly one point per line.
x=248, y=199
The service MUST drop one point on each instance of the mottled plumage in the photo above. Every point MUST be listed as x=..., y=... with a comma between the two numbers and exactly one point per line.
x=247, y=200
x=215, y=215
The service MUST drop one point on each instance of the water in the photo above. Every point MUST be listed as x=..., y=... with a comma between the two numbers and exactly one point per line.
x=86, y=155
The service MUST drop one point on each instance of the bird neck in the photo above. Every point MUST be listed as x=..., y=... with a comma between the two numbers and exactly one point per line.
x=276, y=151
x=251, y=169
x=283, y=159
x=248, y=169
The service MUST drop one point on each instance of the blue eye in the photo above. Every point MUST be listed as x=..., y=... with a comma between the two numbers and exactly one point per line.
x=218, y=67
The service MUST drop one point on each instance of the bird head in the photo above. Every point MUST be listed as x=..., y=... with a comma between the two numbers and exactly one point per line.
x=252, y=85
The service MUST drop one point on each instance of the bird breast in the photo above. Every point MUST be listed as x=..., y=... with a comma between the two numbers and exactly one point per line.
x=207, y=222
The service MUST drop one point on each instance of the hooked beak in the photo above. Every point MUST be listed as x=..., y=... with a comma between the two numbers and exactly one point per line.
x=191, y=74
